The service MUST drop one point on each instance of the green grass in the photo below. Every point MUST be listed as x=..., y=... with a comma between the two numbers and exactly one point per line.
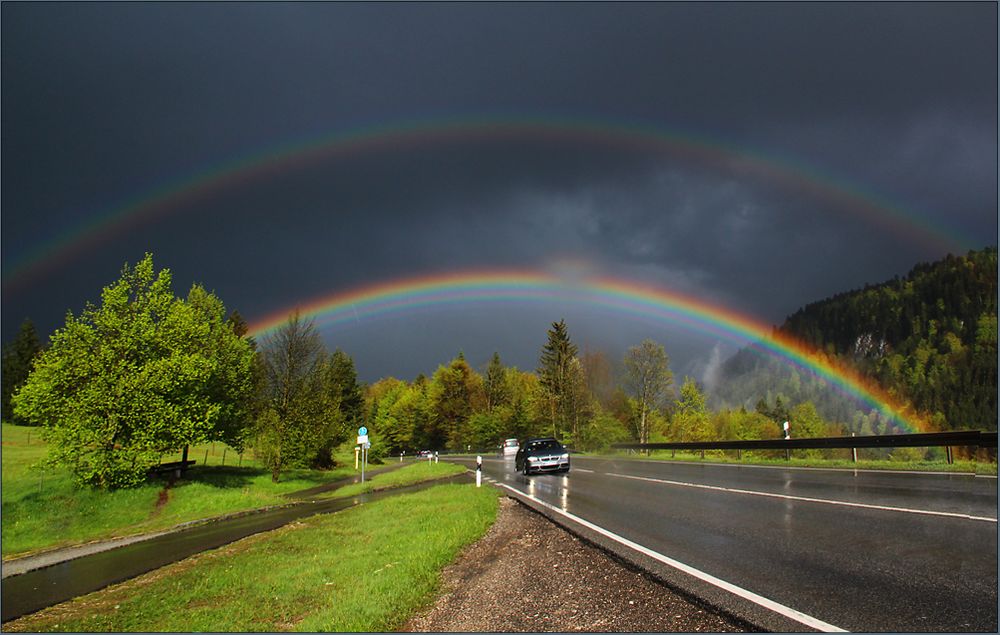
x=43, y=509
x=755, y=458
x=416, y=472
x=363, y=570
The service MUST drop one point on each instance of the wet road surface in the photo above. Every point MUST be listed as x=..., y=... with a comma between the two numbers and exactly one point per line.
x=856, y=550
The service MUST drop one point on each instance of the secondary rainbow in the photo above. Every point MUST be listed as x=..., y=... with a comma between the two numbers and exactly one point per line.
x=636, y=299
x=173, y=194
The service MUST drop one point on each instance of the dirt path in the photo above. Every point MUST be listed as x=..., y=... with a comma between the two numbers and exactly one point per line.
x=529, y=575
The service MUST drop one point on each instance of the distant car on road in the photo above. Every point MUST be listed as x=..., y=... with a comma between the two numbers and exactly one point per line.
x=541, y=455
x=423, y=454
x=509, y=447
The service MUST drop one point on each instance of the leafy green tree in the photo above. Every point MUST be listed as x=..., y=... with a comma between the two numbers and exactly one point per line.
x=554, y=373
x=18, y=357
x=648, y=376
x=299, y=413
x=485, y=430
x=691, y=421
x=601, y=431
x=144, y=373
x=452, y=391
x=805, y=422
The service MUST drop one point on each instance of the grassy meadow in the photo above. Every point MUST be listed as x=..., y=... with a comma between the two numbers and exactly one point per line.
x=363, y=570
x=43, y=508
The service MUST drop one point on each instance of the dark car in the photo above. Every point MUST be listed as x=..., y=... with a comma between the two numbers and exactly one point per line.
x=541, y=455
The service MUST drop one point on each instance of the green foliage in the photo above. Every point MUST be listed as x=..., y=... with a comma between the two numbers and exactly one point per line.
x=928, y=338
x=556, y=376
x=142, y=374
x=486, y=430
x=602, y=430
x=367, y=569
x=452, y=393
x=495, y=385
x=691, y=420
x=648, y=376
x=299, y=414
x=18, y=357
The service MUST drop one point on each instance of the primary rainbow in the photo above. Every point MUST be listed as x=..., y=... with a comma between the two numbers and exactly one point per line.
x=236, y=172
x=632, y=298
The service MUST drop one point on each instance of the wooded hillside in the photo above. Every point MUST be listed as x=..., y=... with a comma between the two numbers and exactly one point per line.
x=929, y=337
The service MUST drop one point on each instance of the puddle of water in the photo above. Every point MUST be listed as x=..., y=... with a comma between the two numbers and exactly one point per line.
x=35, y=590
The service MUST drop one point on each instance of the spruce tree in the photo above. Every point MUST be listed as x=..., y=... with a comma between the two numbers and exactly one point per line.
x=495, y=387
x=554, y=372
x=18, y=357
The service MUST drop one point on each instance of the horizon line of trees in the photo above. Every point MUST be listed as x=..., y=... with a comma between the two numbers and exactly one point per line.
x=146, y=373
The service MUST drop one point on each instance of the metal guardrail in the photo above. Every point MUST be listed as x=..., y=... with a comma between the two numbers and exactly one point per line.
x=976, y=438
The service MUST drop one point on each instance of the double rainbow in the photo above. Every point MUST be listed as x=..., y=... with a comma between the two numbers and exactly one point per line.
x=173, y=195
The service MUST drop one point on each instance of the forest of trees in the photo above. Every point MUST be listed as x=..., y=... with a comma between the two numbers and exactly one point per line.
x=929, y=338
x=146, y=373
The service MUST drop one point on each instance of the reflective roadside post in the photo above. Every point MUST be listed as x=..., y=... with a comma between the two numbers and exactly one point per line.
x=788, y=436
x=479, y=471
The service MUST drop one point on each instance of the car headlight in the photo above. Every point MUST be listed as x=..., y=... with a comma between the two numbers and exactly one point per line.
x=532, y=459
x=565, y=457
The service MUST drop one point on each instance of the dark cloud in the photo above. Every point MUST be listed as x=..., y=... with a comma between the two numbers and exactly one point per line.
x=818, y=133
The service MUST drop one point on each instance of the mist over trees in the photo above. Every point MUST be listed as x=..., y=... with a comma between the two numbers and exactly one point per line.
x=930, y=338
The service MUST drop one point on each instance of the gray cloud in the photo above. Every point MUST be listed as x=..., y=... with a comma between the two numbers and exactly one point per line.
x=895, y=102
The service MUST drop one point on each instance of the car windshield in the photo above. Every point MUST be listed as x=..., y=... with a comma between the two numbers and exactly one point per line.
x=547, y=444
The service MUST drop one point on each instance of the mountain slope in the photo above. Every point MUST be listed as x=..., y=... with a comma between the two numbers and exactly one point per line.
x=929, y=338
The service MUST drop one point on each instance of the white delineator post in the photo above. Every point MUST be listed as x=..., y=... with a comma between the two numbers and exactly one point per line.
x=479, y=471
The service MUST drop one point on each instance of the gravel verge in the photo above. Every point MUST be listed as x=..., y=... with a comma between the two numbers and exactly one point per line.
x=529, y=575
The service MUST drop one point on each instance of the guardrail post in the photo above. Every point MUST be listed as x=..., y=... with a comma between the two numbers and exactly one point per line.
x=788, y=454
x=739, y=454
x=947, y=450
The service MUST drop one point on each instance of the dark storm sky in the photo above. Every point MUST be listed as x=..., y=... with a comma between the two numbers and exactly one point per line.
x=108, y=103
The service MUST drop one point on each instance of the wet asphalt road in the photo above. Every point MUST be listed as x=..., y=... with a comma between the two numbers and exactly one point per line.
x=862, y=551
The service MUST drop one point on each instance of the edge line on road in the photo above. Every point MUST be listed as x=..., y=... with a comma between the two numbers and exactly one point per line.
x=926, y=512
x=760, y=600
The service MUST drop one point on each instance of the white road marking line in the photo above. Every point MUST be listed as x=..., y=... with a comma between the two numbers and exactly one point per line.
x=760, y=600
x=580, y=469
x=807, y=499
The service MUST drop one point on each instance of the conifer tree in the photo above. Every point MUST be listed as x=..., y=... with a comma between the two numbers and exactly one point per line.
x=495, y=386
x=18, y=356
x=554, y=373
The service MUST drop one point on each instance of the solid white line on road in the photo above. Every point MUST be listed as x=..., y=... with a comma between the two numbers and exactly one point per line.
x=760, y=600
x=806, y=499
x=580, y=469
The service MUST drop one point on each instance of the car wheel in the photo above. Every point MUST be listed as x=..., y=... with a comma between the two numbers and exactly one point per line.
x=526, y=469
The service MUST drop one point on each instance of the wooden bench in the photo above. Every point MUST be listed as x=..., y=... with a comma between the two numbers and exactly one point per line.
x=175, y=466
